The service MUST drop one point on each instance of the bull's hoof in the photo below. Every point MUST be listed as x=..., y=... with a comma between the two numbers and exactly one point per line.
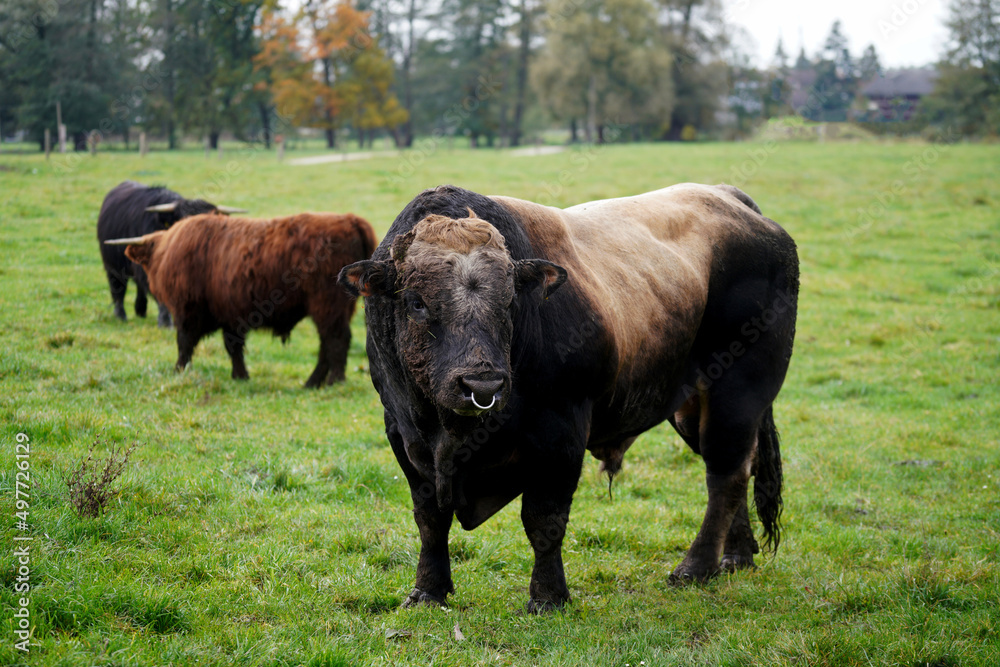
x=418, y=597
x=120, y=313
x=164, y=322
x=691, y=573
x=544, y=606
x=734, y=562
x=241, y=375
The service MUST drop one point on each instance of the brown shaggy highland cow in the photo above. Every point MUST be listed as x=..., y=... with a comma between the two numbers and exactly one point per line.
x=238, y=274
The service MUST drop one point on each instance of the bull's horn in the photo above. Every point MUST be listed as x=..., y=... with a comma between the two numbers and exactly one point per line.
x=135, y=240
x=162, y=208
x=229, y=209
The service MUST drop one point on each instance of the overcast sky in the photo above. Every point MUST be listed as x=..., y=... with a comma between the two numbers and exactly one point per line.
x=904, y=32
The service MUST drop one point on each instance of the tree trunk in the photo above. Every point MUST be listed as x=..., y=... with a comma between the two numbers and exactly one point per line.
x=591, y=109
x=331, y=135
x=522, y=73
x=411, y=16
x=213, y=139
x=169, y=64
x=574, y=136
x=265, y=124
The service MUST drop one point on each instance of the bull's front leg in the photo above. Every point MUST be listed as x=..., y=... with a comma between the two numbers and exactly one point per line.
x=433, y=582
x=545, y=518
x=434, y=565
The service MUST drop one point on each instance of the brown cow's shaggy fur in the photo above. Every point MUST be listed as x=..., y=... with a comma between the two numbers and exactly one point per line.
x=237, y=274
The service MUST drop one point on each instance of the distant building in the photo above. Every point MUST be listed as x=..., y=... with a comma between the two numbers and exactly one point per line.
x=895, y=95
x=799, y=82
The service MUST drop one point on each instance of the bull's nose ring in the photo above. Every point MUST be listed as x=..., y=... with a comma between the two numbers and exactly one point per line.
x=484, y=407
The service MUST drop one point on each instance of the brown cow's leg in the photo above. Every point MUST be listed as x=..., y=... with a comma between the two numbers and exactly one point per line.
x=334, y=342
x=322, y=368
x=234, y=346
x=337, y=354
x=740, y=543
x=186, y=342
x=163, y=318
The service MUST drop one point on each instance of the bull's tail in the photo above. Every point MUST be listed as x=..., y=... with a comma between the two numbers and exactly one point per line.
x=767, y=481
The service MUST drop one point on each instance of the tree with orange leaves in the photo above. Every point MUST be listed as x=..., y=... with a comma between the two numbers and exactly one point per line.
x=323, y=66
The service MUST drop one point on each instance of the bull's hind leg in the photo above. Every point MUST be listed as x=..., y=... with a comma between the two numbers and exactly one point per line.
x=234, y=346
x=727, y=445
x=740, y=544
x=141, y=292
x=118, y=285
x=141, y=301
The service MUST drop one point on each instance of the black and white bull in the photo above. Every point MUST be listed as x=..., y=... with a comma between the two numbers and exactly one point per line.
x=130, y=210
x=507, y=338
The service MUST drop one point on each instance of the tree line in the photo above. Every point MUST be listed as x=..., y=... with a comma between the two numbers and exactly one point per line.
x=492, y=71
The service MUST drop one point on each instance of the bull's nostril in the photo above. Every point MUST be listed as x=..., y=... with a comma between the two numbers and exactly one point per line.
x=482, y=392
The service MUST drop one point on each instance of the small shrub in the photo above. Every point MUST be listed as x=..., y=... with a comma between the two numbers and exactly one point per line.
x=92, y=483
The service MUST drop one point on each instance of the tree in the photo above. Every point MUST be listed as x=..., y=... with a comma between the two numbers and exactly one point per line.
x=57, y=53
x=287, y=70
x=323, y=67
x=967, y=93
x=836, y=82
x=603, y=63
x=869, y=66
x=780, y=61
x=696, y=35
x=367, y=98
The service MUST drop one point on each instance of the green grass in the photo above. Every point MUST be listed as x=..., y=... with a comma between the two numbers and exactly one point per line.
x=263, y=524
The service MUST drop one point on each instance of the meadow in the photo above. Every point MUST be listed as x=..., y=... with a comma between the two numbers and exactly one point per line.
x=259, y=523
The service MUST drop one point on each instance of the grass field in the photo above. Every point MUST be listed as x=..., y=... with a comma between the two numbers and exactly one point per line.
x=263, y=524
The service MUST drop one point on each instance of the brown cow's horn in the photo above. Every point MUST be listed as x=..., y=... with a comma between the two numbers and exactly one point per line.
x=135, y=240
x=229, y=209
x=162, y=208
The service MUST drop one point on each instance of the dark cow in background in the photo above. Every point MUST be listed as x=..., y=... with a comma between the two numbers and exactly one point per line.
x=507, y=338
x=214, y=272
x=132, y=209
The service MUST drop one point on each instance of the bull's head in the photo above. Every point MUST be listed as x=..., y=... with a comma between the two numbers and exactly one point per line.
x=452, y=284
x=140, y=249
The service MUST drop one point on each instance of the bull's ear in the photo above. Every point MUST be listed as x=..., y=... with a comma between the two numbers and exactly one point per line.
x=532, y=273
x=367, y=278
x=142, y=252
x=402, y=243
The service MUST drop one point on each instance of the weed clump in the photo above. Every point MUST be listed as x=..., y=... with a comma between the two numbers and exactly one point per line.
x=92, y=483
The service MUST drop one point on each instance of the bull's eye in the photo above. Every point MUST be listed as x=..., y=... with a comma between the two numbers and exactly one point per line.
x=416, y=307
